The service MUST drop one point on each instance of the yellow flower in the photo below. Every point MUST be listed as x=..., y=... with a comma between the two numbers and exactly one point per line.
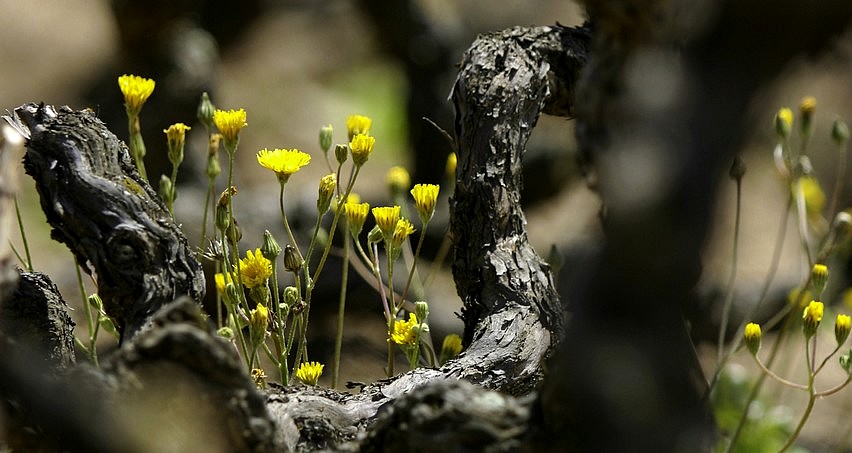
x=451, y=347
x=783, y=122
x=386, y=218
x=219, y=278
x=259, y=378
x=808, y=105
x=403, y=229
x=814, y=196
x=230, y=123
x=358, y=124
x=425, y=198
x=398, y=180
x=811, y=317
x=452, y=161
x=309, y=372
x=356, y=214
x=136, y=91
x=284, y=162
x=176, y=136
x=361, y=146
x=255, y=269
x=842, y=326
x=259, y=318
x=752, y=335
x=404, y=332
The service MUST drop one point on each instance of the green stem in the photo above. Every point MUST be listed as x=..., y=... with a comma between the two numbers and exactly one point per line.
x=338, y=341
x=92, y=322
x=414, y=261
x=729, y=294
x=805, y=415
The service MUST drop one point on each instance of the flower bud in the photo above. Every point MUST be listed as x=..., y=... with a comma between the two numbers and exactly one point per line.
x=225, y=332
x=292, y=261
x=784, y=122
x=270, y=248
x=231, y=294
x=205, y=111
x=819, y=278
x=421, y=310
x=259, y=294
x=325, y=136
x=846, y=362
x=291, y=296
x=326, y=192
x=258, y=321
x=341, y=153
x=738, y=169
x=811, y=317
x=375, y=235
x=842, y=326
x=176, y=136
x=450, y=168
x=752, y=336
x=839, y=132
x=807, y=108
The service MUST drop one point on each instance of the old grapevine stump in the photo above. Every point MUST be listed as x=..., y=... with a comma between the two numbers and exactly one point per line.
x=111, y=220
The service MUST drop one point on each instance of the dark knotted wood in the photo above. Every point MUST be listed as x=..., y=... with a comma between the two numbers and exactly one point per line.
x=110, y=218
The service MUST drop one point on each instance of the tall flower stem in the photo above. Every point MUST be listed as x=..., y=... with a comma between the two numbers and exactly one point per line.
x=341, y=306
x=732, y=278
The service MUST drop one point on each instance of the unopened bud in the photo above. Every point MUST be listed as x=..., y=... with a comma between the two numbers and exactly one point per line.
x=326, y=192
x=341, y=153
x=421, y=310
x=292, y=261
x=842, y=326
x=752, y=336
x=270, y=248
x=839, y=132
x=819, y=278
x=811, y=318
x=205, y=111
x=326, y=134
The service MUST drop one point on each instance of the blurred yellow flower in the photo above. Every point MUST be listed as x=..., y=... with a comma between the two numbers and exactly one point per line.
x=398, y=180
x=783, y=122
x=358, y=124
x=452, y=161
x=136, y=91
x=284, y=162
x=814, y=196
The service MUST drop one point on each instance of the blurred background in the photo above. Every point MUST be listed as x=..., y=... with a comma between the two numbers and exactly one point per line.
x=297, y=65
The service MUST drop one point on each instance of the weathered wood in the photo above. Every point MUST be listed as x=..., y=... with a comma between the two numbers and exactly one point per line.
x=110, y=218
